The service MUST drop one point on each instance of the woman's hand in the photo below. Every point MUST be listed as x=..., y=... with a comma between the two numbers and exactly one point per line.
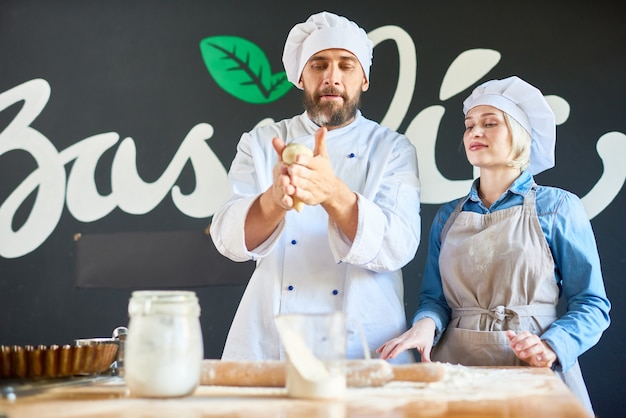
x=531, y=349
x=420, y=337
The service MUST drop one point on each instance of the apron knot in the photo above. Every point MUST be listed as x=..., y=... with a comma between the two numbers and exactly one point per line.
x=500, y=313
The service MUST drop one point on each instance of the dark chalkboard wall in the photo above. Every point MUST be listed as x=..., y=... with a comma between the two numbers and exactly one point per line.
x=127, y=74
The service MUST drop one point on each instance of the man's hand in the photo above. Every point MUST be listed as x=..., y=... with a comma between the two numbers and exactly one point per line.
x=282, y=190
x=313, y=176
x=312, y=180
x=289, y=155
x=270, y=207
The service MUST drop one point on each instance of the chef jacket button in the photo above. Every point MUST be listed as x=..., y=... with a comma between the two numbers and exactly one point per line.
x=351, y=155
x=294, y=242
x=290, y=288
x=335, y=292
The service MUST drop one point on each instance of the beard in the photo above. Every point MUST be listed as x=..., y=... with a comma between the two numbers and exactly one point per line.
x=331, y=114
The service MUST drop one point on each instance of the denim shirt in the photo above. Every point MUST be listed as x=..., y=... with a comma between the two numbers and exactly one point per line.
x=577, y=270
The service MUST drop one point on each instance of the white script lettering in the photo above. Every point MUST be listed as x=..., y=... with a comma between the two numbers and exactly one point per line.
x=133, y=195
x=129, y=192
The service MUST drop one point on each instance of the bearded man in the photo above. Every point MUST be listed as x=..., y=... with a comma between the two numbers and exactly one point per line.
x=360, y=224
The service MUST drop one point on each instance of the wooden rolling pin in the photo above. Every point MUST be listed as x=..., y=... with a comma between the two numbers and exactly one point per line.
x=359, y=373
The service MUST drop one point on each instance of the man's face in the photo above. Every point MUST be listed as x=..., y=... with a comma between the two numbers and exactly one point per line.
x=333, y=80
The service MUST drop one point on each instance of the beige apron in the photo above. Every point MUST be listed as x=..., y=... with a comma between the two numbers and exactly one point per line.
x=497, y=274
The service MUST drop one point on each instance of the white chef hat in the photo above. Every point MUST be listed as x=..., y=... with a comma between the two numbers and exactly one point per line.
x=324, y=31
x=526, y=104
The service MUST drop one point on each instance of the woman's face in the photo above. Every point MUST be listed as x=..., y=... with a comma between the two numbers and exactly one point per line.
x=487, y=138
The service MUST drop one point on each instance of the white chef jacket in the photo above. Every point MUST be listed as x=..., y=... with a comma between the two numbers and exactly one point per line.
x=308, y=265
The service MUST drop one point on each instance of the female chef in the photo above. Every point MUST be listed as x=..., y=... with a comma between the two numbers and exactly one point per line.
x=500, y=257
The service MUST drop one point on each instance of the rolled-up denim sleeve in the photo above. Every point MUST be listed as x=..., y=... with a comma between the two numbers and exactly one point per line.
x=432, y=302
x=578, y=271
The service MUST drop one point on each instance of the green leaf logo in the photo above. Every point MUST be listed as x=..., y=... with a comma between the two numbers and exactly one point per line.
x=242, y=69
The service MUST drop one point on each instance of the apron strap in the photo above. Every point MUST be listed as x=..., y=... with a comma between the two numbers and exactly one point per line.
x=452, y=218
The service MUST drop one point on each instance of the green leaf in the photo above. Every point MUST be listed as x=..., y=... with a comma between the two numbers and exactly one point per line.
x=242, y=69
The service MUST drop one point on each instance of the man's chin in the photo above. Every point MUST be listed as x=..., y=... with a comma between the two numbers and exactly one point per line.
x=331, y=115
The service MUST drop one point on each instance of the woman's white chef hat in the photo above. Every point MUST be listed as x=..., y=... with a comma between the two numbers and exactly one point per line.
x=526, y=104
x=324, y=31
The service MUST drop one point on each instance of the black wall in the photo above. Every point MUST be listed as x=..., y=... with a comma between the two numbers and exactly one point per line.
x=134, y=69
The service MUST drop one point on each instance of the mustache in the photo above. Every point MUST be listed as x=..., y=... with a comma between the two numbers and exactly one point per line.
x=330, y=91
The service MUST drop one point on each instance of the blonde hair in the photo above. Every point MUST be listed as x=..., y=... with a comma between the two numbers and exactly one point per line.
x=520, y=143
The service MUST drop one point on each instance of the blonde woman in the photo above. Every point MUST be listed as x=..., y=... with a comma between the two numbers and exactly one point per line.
x=500, y=257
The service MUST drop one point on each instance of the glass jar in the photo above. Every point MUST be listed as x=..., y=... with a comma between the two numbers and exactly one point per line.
x=164, y=348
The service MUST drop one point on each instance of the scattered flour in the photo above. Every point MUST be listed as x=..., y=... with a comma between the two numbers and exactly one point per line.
x=461, y=383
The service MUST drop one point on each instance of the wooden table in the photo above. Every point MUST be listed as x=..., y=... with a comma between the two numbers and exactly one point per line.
x=465, y=392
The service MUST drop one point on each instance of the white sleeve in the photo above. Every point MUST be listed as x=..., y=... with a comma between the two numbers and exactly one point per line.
x=227, y=227
x=389, y=224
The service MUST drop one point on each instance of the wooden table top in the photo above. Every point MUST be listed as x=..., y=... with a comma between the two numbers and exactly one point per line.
x=465, y=392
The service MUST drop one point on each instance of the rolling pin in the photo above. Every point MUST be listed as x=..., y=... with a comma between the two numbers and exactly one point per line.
x=359, y=373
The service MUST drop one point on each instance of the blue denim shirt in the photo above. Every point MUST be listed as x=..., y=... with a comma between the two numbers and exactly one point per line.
x=570, y=237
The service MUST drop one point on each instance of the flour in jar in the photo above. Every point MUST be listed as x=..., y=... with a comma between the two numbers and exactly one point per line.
x=164, y=347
